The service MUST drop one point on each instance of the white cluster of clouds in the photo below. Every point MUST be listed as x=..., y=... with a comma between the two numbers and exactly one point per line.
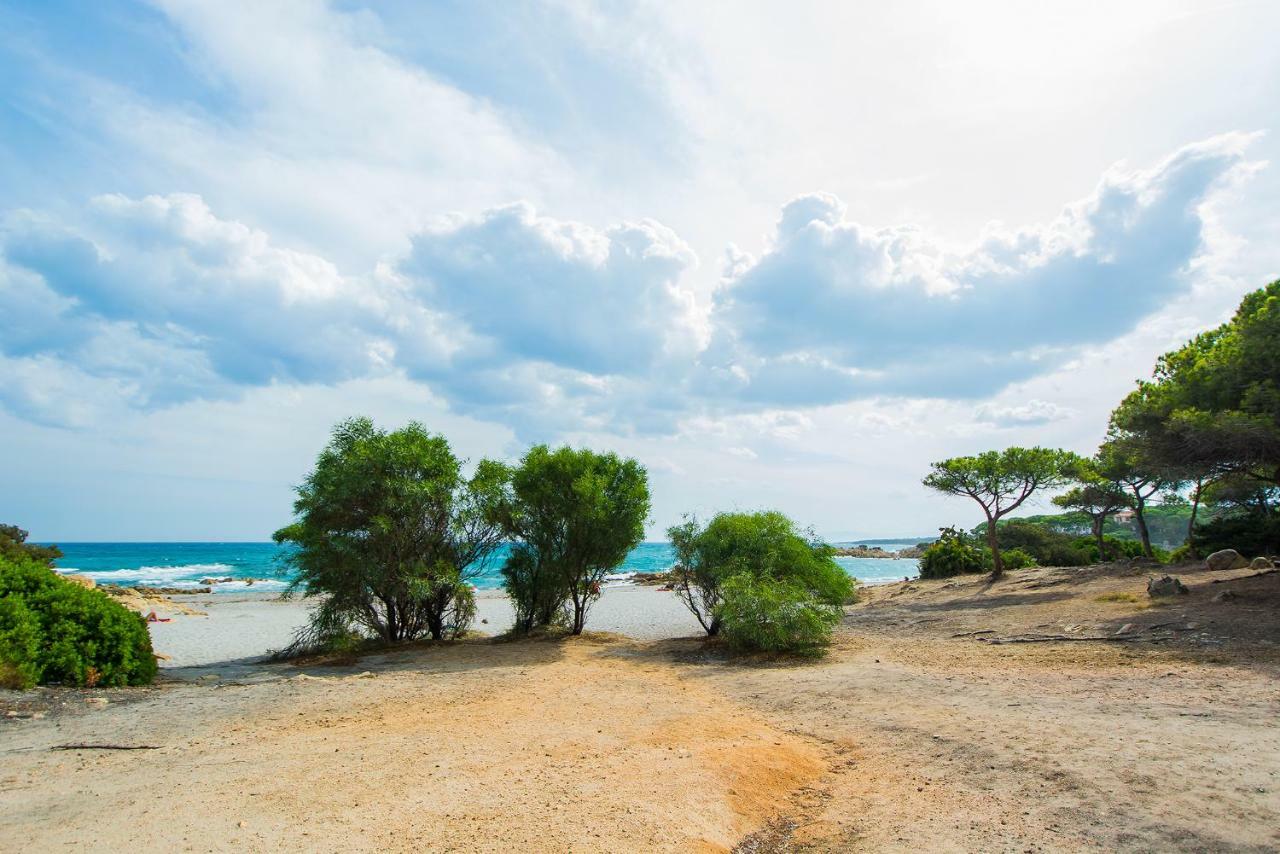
x=550, y=325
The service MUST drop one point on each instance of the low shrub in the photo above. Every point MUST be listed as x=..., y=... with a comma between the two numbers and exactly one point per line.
x=954, y=553
x=1250, y=533
x=1017, y=559
x=54, y=631
x=1047, y=546
x=19, y=644
x=774, y=615
x=761, y=581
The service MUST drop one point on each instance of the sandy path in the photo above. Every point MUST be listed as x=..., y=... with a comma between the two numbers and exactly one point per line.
x=535, y=746
x=912, y=735
x=231, y=626
x=950, y=744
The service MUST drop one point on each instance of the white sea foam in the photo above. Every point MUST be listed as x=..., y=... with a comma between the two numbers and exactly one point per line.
x=619, y=579
x=153, y=573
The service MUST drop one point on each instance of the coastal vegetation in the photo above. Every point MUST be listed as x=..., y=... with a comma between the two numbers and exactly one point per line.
x=572, y=516
x=1000, y=482
x=388, y=532
x=14, y=545
x=55, y=631
x=759, y=580
x=390, y=535
x=1207, y=424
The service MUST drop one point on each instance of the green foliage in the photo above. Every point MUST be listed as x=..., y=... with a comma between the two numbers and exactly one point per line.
x=1168, y=526
x=1212, y=411
x=764, y=545
x=1001, y=481
x=54, y=631
x=1128, y=465
x=14, y=545
x=574, y=516
x=19, y=644
x=1097, y=495
x=389, y=532
x=1047, y=545
x=954, y=553
x=1018, y=559
x=767, y=614
x=1250, y=534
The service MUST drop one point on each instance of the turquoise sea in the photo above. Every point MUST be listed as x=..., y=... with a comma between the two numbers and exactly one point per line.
x=188, y=564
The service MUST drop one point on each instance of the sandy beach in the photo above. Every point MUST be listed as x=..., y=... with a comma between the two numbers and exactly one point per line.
x=1055, y=710
x=237, y=626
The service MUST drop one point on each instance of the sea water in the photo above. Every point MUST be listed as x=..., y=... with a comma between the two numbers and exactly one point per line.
x=262, y=566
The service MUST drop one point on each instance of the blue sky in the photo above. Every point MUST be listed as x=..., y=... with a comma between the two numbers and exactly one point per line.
x=784, y=257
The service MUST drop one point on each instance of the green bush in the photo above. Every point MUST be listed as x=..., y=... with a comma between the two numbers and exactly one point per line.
x=774, y=615
x=1250, y=533
x=1018, y=559
x=954, y=553
x=19, y=644
x=52, y=630
x=1049, y=547
x=765, y=544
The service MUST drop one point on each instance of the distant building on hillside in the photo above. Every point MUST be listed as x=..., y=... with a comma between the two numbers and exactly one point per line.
x=1124, y=517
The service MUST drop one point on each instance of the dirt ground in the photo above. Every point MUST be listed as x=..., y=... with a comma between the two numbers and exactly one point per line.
x=1056, y=710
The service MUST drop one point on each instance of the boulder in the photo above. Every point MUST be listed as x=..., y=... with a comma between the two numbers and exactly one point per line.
x=1166, y=586
x=1261, y=563
x=1225, y=559
x=1226, y=596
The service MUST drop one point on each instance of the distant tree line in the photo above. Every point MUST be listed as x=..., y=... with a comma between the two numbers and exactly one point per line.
x=1199, y=442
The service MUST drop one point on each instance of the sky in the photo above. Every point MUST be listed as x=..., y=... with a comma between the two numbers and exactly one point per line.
x=786, y=255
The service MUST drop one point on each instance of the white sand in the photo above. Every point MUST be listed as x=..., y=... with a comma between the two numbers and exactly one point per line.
x=250, y=625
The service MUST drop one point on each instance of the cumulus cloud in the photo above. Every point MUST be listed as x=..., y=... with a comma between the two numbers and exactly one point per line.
x=835, y=310
x=1029, y=414
x=553, y=326
x=531, y=287
x=507, y=314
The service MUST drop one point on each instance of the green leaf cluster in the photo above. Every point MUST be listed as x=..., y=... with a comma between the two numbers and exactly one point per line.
x=1211, y=413
x=954, y=553
x=1001, y=482
x=573, y=515
x=14, y=545
x=55, y=631
x=758, y=579
x=389, y=533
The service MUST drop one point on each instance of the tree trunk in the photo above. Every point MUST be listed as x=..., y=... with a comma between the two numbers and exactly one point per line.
x=1141, y=519
x=1097, y=535
x=997, y=565
x=579, y=610
x=1195, y=509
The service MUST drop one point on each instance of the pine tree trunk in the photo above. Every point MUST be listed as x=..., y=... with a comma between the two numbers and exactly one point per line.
x=1195, y=509
x=1141, y=519
x=997, y=565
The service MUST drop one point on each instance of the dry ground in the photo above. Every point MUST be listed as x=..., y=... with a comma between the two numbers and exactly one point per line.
x=915, y=733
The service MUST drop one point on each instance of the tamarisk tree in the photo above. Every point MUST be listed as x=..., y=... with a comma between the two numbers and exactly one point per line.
x=1001, y=482
x=573, y=515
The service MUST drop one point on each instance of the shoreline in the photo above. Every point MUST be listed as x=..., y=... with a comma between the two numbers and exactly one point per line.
x=224, y=627
x=203, y=629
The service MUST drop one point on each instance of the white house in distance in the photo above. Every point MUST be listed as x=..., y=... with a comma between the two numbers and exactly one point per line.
x=1124, y=517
